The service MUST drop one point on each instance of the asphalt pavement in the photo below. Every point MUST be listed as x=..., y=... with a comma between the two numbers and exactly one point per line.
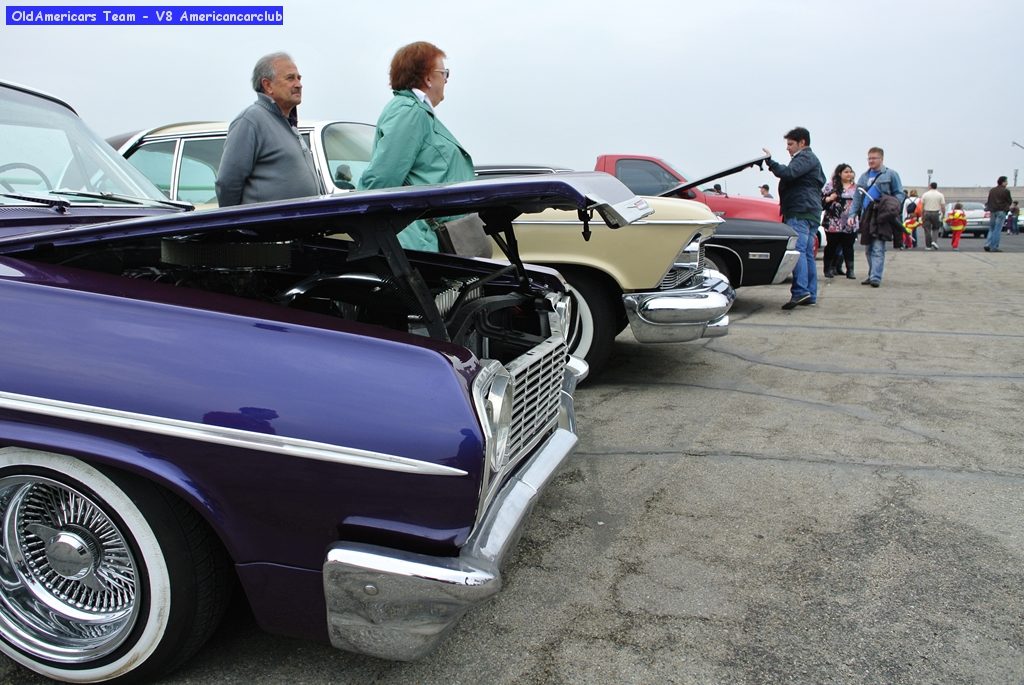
x=833, y=494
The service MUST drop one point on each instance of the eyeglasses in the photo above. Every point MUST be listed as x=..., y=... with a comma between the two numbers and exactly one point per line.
x=446, y=72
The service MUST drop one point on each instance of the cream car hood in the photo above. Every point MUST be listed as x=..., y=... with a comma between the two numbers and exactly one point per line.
x=637, y=257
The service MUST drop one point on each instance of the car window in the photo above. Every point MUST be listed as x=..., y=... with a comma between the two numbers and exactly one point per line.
x=156, y=161
x=48, y=149
x=200, y=159
x=644, y=177
x=347, y=147
x=974, y=205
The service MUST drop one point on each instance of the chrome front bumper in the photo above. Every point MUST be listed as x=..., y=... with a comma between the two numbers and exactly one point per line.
x=399, y=605
x=786, y=266
x=683, y=314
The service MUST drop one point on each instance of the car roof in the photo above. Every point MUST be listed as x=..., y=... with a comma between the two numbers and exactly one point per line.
x=510, y=169
x=124, y=142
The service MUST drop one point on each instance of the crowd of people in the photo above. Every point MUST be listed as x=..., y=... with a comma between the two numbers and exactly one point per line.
x=875, y=207
x=265, y=158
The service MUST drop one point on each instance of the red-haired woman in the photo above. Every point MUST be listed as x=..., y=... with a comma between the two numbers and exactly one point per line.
x=412, y=146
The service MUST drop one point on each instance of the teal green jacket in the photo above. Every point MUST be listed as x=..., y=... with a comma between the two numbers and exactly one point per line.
x=413, y=147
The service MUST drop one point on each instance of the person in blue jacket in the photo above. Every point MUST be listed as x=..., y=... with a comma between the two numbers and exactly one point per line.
x=412, y=146
x=877, y=182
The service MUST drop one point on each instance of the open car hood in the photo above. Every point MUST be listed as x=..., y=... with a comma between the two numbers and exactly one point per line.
x=367, y=215
x=683, y=187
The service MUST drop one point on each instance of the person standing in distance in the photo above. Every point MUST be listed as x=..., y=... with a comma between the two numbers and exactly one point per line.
x=265, y=158
x=800, y=184
x=933, y=205
x=998, y=204
x=877, y=182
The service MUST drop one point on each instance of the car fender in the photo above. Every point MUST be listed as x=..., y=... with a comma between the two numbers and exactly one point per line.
x=187, y=414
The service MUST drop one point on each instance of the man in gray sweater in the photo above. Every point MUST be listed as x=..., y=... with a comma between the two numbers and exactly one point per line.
x=265, y=158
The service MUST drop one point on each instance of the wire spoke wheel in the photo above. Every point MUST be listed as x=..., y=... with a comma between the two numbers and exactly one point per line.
x=70, y=580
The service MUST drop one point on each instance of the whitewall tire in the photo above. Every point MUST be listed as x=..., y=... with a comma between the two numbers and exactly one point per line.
x=100, y=577
x=594, y=323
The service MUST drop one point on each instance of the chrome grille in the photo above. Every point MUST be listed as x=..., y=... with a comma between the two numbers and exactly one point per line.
x=538, y=386
x=683, y=274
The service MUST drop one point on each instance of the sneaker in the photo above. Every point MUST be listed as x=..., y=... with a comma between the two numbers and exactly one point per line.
x=988, y=249
x=875, y=284
x=995, y=249
x=866, y=281
x=849, y=274
x=809, y=303
x=792, y=304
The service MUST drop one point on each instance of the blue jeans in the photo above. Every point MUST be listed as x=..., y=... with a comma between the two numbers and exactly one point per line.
x=875, y=252
x=995, y=229
x=805, y=274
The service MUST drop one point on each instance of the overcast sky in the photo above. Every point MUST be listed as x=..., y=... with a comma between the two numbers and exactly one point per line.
x=937, y=84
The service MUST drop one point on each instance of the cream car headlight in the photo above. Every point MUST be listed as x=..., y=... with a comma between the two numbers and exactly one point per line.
x=493, y=398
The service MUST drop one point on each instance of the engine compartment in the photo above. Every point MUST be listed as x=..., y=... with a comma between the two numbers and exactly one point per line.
x=489, y=308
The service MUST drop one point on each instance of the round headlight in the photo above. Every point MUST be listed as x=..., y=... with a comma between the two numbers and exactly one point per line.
x=499, y=411
x=561, y=305
x=493, y=397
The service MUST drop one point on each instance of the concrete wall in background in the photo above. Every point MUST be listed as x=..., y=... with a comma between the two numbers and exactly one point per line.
x=973, y=193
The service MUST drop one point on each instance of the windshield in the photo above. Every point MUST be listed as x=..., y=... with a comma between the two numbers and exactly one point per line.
x=347, y=147
x=976, y=206
x=45, y=148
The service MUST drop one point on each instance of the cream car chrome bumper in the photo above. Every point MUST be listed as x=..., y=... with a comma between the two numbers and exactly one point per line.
x=684, y=314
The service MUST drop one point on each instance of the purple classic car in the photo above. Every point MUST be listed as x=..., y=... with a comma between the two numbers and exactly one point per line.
x=273, y=393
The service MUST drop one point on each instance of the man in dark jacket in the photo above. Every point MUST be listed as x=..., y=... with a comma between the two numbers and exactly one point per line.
x=998, y=205
x=800, y=184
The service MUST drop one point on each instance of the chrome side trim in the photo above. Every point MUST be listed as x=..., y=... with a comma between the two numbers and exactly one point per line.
x=729, y=236
x=232, y=437
x=786, y=266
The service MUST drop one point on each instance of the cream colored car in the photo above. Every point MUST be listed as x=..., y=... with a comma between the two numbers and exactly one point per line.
x=650, y=276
